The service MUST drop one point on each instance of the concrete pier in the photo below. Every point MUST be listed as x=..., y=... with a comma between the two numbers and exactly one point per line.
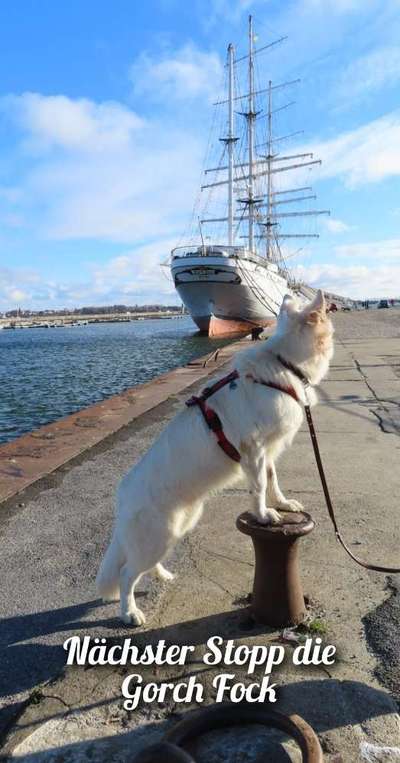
x=55, y=524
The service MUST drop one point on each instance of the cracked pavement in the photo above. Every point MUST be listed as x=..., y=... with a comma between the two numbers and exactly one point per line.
x=53, y=537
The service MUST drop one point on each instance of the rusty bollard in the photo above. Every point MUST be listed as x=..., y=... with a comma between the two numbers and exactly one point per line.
x=278, y=598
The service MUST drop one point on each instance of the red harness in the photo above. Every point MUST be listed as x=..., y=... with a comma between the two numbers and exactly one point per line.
x=289, y=390
x=211, y=417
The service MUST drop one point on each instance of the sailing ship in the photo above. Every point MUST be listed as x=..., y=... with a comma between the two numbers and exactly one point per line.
x=234, y=283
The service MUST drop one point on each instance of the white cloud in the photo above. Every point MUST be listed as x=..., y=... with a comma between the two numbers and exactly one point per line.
x=137, y=274
x=367, y=154
x=17, y=295
x=14, y=286
x=372, y=270
x=335, y=226
x=354, y=281
x=279, y=16
x=187, y=73
x=101, y=171
x=58, y=121
x=133, y=277
x=387, y=249
x=369, y=73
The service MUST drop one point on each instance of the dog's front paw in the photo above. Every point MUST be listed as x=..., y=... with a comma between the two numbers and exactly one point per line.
x=270, y=517
x=290, y=505
x=137, y=617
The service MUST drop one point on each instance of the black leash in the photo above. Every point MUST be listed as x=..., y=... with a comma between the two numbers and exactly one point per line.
x=213, y=421
x=297, y=371
x=376, y=567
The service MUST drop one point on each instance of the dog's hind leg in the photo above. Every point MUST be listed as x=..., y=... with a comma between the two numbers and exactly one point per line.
x=186, y=522
x=255, y=468
x=144, y=551
x=130, y=612
x=187, y=519
x=107, y=580
x=275, y=494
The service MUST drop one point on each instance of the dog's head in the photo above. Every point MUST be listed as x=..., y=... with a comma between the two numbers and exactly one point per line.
x=307, y=333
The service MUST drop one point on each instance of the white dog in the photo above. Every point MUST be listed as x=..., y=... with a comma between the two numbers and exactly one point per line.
x=161, y=498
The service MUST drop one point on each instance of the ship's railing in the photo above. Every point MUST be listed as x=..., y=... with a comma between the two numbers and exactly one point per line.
x=198, y=250
x=217, y=251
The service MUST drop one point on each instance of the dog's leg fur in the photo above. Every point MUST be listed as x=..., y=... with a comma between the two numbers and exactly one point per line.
x=187, y=522
x=275, y=494
x=188, y=519
x=146, y=541
x=144, y=551
x=163, y=573
x=130, y=612
x=255, y=468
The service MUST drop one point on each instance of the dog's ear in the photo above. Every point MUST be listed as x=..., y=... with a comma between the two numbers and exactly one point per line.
x=316, y=310
x=288, y=305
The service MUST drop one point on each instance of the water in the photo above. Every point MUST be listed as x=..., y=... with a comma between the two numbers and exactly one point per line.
x=49, y=373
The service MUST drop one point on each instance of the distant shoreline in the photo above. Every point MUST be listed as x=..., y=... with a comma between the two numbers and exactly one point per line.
x=81, y=319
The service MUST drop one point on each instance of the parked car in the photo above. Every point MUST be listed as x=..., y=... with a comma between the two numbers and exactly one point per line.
x=383, y=303
x=332, y=308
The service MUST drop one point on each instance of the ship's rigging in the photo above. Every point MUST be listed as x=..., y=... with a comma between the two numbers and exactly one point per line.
x=233, y=267
x=244, y=166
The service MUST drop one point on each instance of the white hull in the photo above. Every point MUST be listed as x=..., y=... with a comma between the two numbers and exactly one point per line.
x=240, y=290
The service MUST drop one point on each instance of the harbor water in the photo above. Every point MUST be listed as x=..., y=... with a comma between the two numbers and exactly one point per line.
x=49, y=373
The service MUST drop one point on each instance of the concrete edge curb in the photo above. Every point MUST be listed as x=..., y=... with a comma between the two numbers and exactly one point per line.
x=34, y=456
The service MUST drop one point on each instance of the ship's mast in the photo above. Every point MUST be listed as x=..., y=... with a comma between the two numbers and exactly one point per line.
x=269, y=177
x=250, y=128
x=258, y=165
x=230, y=141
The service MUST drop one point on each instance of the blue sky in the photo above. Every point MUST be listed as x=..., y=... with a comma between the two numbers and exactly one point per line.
x=104, y=117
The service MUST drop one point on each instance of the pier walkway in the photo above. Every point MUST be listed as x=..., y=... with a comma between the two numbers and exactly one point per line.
x=54, y=532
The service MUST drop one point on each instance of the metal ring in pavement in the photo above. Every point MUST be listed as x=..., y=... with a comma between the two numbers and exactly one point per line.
x=200, y=722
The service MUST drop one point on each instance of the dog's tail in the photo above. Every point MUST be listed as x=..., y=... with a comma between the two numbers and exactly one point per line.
x=107, y=580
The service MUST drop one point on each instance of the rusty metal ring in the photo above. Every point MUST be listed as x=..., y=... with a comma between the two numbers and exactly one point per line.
x=213, y=717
